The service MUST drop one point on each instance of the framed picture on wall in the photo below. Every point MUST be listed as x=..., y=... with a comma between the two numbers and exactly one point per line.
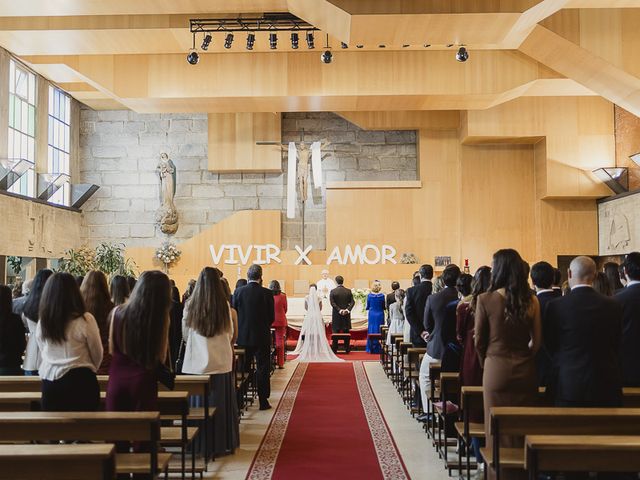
x=442, y=261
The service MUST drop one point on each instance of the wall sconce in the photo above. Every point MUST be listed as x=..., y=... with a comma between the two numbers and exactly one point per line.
x=616, y=178
x=50, y=183
x=81, y=192
x=11, y=169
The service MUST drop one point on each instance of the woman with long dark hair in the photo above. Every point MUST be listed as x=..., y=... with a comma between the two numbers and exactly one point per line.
x=12, y=336
x=119, y=290
x=280, y=323
x=97, y=300
x=209, y=332
x=139, y=342
x=69, y=339
x=30, y=317
x=611, y=270
x=508, y=333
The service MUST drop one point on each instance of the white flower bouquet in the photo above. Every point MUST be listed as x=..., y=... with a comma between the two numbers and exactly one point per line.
x=360, y=296
x=168, y=254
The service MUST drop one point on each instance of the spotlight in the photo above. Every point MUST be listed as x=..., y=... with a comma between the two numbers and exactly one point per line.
x=343, y=45
x=251, y=39
x=310, y=41
x=228, y=41
x=359, y=46
x=406, y=45
x=326, y=56
x=206, y=41
x=462, y=54
x=294, y=40
x=426, y=45
x=382, y=45
x=273, y=41
x=193, y=57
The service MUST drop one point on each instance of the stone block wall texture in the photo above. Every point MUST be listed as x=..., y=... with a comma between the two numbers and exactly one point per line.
x=119, y=151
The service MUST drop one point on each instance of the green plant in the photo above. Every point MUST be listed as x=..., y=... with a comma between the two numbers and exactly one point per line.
x=15, y=263
x=77, y=261
x=107, y=257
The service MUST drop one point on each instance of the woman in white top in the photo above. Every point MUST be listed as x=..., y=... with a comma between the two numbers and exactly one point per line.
x=396, y=316
x=70, y=346
x=209, y=332
x=30, y=319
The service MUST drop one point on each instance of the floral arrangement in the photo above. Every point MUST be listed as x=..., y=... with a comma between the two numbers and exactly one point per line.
x=407, y=258
x=168, y=254
x=360, y=296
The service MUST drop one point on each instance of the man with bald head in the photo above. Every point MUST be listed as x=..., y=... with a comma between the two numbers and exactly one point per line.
x=583, y=337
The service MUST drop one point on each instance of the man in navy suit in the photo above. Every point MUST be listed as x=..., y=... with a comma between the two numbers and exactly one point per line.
x=629, y=299
x=543, y=277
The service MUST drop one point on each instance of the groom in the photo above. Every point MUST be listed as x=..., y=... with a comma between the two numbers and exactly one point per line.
x=342, y=302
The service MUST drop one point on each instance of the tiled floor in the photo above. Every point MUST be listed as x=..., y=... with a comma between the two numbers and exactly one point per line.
x=419, y=457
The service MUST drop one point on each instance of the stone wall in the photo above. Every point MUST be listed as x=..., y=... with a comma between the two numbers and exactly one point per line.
x=119, y=151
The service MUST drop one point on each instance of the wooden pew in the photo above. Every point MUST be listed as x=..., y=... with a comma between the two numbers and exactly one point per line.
x=522, y=421
x=90, y=427
x=470, y=400
x=581, y=453
x=449, y=392
x=57, y=462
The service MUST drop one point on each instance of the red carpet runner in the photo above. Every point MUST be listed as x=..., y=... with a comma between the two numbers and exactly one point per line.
x=328, y=425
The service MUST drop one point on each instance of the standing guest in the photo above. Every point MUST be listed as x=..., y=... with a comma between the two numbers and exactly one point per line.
x=542, y=277
x=256, y=314
x=139, y=342
x=131, y=282
x=342, y=303
x=415, y=281
x=30, y=317
x=629, y=299
x=464, y=286
x=439, y=322
x=612, y=271
x=391, y=298
x=79, y=279
x=119, y=290
x=69, y=339
x=623, y=277
x=325, y=285
x=470, y=368
x=602, y=285
x=280, y=323
x=12, y=336
x=375, y=307
x=95, y=294
x=438, y=285
x=175, y=325
x=556, y=286
x=187, y=293
x=210, y=335
x=414, y=313
x=584, y=340
x=18, y=303
x=508, y=333
x=239, y=284
x=16, y=291
x=396, y=316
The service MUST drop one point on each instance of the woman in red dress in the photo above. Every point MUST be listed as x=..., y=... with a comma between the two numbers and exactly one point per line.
x=280, y=323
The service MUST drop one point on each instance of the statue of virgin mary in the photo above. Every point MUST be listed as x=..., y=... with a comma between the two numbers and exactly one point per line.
x=167, y=214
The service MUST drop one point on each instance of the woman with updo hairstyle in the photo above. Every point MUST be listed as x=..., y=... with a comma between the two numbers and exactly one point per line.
x=508, y=333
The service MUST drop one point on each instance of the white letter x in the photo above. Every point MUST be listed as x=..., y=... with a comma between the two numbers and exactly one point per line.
x=302, y=255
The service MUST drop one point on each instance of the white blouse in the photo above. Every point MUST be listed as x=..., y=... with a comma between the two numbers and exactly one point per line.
x=207, y=355
x=82, y=348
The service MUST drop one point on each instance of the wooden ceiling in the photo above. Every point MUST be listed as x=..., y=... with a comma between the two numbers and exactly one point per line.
x=124, y=54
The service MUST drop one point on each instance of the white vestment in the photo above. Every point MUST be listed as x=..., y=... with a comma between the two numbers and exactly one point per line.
x=325, y=287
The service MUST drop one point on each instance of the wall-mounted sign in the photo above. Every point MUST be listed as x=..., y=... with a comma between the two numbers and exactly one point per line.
x=442, y=261
x=266, y=254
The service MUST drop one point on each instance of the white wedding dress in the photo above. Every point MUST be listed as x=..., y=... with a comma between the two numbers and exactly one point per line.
x=314, y=347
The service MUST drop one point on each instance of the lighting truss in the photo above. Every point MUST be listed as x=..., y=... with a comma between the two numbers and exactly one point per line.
x=271, y=22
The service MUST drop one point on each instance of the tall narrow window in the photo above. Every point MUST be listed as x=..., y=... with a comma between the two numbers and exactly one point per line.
x=22, y=124
x=59, y=141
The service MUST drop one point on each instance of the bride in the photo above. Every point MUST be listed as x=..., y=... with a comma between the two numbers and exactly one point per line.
x=314, y=347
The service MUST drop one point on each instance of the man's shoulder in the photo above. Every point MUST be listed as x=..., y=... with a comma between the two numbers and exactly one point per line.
x=628, y=293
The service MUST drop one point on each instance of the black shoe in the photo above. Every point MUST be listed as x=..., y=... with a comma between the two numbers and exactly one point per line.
x=265, y=406
x=424, y=418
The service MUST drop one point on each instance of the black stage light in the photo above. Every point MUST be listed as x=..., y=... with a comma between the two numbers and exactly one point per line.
x=343, y=45
x=326, y=56
x=251, y=39
x=359, y=46
x=310, y=41
x=228, y=41
x=462, y=54
x=294, y=40
x=206, y=41
x=273, y=41
x=193, y=57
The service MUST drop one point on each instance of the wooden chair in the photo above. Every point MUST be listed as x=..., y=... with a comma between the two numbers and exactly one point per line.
x=432, y=397
x=470, y=401
x=581, y=453
x=413, y=359
x=449, y=392
x=25, y=427
x=57, y=462
x=405, y=386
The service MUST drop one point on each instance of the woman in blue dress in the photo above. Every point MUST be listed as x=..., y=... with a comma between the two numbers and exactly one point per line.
x=375, y=306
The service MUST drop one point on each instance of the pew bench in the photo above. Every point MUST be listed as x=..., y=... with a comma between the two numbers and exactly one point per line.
x=581, y=453
x=25, y=427
x=57, y=462
x=470, y=401
x=341, y=338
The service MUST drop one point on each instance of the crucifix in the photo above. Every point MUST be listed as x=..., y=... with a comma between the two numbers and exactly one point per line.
x=300, y=155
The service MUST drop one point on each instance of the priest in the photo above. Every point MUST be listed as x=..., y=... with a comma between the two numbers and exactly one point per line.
x=325, y=284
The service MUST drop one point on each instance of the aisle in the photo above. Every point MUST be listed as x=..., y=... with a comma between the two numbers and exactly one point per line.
x=328, y=425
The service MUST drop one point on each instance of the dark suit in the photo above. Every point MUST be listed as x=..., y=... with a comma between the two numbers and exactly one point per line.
x=583, y=338
x=389, y=300
x=440, y=321
x=341, y=298
x=543, y=357
x=629, y=299
x=256, y=313
x=414, y=310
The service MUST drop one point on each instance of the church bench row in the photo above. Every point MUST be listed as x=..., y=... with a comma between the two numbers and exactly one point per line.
x=57, y=462
x=25, y=427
